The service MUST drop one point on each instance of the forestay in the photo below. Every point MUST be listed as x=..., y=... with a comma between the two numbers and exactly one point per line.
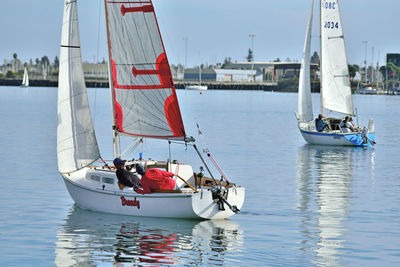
x=76, y=141
x=304, y=100
x=335, y=91
x=144, y=98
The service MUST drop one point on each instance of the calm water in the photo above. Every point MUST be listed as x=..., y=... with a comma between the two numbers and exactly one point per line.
x=305, y=205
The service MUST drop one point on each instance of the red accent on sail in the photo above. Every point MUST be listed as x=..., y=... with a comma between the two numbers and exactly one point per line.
x=162, y=70
x=114, y=73
x=148, y=8
x=119, y=116
x=173, y=115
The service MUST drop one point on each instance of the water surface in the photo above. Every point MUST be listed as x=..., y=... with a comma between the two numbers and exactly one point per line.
x=305, y=205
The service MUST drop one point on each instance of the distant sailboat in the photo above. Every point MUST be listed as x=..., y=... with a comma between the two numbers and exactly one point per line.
x=25, y=79
x=197, y=86
x=335, y=84
x=144, y=105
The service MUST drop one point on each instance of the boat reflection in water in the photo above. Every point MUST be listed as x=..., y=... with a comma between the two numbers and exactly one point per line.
x=89, y=238
x=324, y=177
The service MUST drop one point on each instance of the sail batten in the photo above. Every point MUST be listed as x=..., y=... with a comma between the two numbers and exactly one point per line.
x=76, y=141
x=335, y=84
x=143, y=92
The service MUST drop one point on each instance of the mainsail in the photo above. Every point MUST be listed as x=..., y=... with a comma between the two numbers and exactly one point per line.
x=143, y=93
x=76, y=141
x=335, y=85
x=304, y=100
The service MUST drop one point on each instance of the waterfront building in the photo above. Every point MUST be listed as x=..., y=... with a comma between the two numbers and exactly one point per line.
x=273, y=71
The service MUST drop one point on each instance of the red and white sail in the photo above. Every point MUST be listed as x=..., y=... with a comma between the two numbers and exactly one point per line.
x=143, y=93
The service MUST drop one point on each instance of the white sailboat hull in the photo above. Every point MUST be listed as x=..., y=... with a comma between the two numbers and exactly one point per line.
x=336, y=138
x=108, y=198
x=196, y=87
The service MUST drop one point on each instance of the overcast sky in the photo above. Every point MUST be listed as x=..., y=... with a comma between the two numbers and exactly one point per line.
x=216, y=29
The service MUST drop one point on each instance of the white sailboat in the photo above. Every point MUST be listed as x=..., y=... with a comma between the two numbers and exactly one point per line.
x=144, y=105
x=197, y=86
x=25, y=79
x=336, y=94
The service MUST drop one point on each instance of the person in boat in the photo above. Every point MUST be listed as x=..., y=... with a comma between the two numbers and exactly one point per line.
x=320, y=125
x=364, y=135
x=124, y=175
x=346, y=125
x=155, y=179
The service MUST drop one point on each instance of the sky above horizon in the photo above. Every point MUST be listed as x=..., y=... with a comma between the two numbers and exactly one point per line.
x=215, y=29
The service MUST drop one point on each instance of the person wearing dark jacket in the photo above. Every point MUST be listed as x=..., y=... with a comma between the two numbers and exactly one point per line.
x=124, y=176
x=320, y=125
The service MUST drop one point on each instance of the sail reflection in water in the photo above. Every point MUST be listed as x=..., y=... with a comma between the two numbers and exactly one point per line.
x=324, y=177
x=89, y=238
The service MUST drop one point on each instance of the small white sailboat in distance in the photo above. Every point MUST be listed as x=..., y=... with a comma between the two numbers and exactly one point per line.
x=144, y=105
x=197, y=86
x=25, y=79
x=336, y=96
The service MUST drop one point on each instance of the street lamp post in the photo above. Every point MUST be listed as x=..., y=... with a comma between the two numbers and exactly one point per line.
x=186, y=44
x=252, y=36
x=366, y=68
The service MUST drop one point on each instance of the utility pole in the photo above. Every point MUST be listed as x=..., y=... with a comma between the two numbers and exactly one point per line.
x=252, y=36
x=186, y=39
x=366, y=68
x=372, y=67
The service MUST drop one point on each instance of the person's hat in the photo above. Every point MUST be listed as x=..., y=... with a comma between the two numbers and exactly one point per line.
x=118, y=161
x=140, y=169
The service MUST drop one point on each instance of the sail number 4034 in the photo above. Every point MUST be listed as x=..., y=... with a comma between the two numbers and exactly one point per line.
x=331, y=25
x=329, y=5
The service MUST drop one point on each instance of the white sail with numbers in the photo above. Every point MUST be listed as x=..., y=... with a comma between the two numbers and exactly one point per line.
x=335, y=85
x=143, y=93
x=305, y=112
x=76, y=141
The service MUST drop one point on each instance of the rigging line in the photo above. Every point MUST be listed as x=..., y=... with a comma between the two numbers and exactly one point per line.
x=97, y=64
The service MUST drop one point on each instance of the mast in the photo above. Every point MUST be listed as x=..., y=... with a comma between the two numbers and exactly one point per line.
x=321, y=110
x=112, y=96
x=200, y=74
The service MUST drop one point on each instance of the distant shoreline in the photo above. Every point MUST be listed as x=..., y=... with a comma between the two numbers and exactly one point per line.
x=178, y=84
